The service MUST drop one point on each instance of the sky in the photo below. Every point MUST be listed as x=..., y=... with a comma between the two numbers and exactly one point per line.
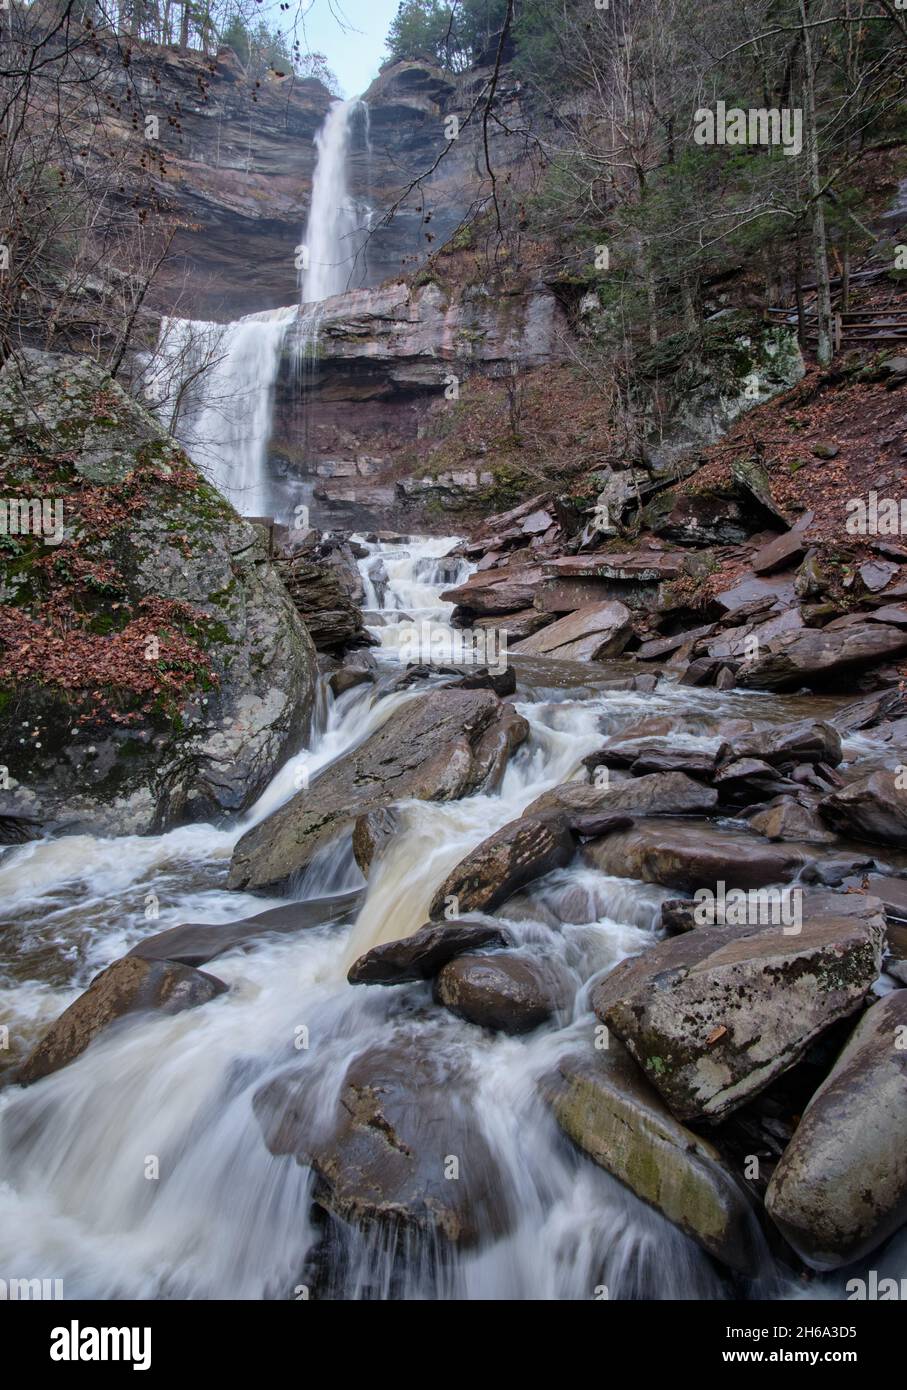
x=350, y=33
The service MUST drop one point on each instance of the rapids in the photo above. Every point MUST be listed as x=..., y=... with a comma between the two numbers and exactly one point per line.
x=225, y=1218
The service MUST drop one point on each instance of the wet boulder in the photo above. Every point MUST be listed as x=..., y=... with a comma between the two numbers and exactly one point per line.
x=326, y=587
x=606, y=1106
x=788, y=819
x=656, y=794
x=128, y=986
x=590, y=633
x=871, y=808
x=505, y=992
x=506, y=861
x=808, y=741
x=713, y=1017
x=817, y=657
x=402, y=1148
x=878, y=711
x=348, y=677
x=372, y=834
x=195, y=943
x=422, y=955
x=649, y=755
x=840, y=1188
x=687, y=855
x=517, y=625
x=436, y=747
x=501, y=680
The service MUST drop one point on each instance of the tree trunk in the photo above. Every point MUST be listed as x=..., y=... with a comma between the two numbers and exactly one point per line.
x=690, y=317
x=825, y=345
x=651, y=296
x=184, y=25
x=798, y=291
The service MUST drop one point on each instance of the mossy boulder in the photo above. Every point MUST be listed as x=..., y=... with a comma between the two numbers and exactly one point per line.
x=709, y=378
x=153, y=669
x=604, y=1103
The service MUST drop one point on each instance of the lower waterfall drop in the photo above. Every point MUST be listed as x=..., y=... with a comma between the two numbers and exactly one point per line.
x=214, y=383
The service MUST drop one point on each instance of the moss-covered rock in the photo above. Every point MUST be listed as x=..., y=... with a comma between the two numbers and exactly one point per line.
x=606, y=1106
x=696, y=385
x=152, y=666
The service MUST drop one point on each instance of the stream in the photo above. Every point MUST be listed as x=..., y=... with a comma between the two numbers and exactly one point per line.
x=225, y=1218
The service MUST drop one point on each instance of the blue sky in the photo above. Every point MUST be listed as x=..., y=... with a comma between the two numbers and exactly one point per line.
x=350, y=33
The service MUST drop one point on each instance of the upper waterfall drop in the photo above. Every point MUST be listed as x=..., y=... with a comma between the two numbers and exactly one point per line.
x=337, y=224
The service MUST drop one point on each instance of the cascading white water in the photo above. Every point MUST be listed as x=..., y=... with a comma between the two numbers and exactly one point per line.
x=402, y=581
x=214, y=383
x=337, y=223
x=227, y=1219
x=336, y=229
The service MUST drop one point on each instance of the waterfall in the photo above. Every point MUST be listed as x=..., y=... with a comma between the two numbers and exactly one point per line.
x=403, y=580
x=226, y=1219
x=337, y=223
x=336, y=230
x=213, y=384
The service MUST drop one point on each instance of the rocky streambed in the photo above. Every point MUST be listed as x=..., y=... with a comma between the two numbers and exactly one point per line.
x=530, y=982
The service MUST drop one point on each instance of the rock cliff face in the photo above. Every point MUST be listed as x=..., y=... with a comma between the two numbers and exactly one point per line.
x=239, y=159
x=410, y=105
x=153, y=669
x=238, y=163
x=385, y=368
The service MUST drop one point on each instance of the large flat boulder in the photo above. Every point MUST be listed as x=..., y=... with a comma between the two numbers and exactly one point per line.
x=423, y=954
x=806, y=741
x=657, y=794
x=871, y=808
x=518, y=853
x=840, y=1188
x=383, y=1156
x=195, y=943
x=819, y=656
x=592, y=633
x=644, y=755
x=686, y=855
x=491, y=593
x=437, y=747
x=607, y=1107
x=128, y=986
x=714, y=1016
x=633, y=566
